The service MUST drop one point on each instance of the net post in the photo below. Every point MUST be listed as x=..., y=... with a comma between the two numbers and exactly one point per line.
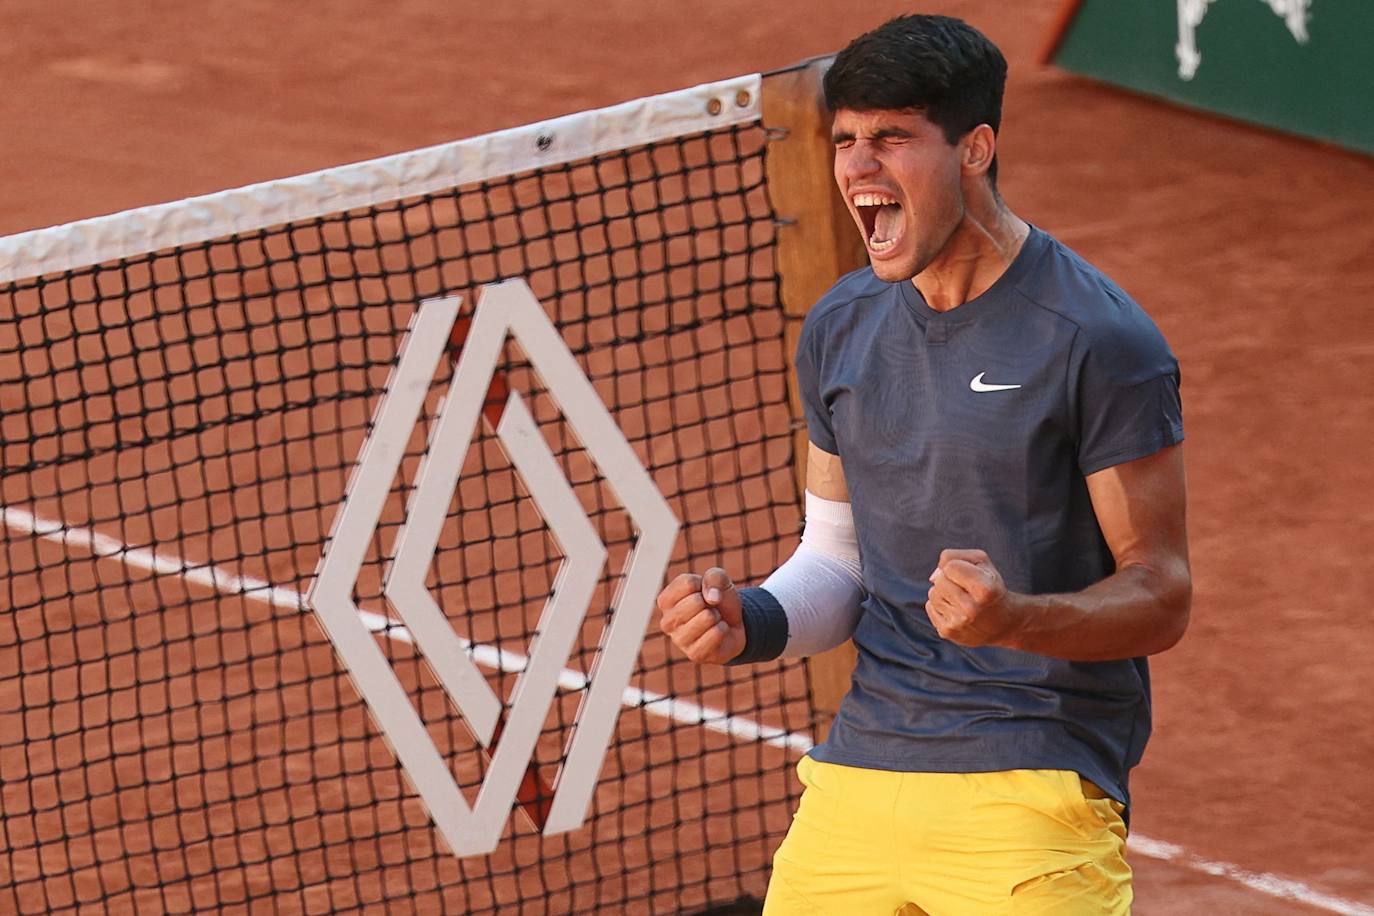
x=816, y=244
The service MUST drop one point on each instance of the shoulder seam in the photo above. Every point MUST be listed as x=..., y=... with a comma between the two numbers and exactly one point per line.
x=1083, y=269
x=1058, y=313
x=823, y=309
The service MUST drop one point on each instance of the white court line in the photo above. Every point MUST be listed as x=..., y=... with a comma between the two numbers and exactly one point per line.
x=228, y=583
x=1273, y=885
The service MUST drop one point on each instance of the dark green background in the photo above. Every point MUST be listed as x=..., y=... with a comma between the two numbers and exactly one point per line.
x=1252, y=67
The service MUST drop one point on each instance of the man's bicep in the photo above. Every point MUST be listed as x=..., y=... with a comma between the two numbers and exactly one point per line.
x=1141, y=507
x=825, y=474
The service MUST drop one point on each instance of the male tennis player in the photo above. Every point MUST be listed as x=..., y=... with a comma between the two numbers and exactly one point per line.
x=995, y=514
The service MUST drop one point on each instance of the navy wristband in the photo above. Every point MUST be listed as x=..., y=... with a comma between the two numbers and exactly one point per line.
x=765, y=627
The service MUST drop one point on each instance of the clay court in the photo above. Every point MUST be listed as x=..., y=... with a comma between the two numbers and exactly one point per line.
x=1253, y=250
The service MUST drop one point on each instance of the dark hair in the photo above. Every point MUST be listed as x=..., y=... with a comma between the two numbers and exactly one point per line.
x=942, y=66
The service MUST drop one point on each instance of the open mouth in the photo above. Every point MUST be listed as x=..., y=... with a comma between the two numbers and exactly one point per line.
x=882, y=220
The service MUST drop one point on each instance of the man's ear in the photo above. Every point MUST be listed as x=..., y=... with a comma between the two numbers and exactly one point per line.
x=977, y=147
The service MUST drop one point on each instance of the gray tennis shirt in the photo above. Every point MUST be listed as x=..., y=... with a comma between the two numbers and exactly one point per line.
x=974, y=428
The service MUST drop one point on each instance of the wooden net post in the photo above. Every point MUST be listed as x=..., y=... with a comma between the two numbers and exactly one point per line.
x=817, y=243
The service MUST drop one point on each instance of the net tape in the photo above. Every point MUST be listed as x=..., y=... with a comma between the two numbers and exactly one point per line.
x=179, y=416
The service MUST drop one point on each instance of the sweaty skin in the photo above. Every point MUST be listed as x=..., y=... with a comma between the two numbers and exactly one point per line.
x=955, y=236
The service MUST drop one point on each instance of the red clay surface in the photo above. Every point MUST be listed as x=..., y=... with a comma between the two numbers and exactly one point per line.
x=1252, y=250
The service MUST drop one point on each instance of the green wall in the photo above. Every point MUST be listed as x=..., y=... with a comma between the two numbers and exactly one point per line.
x=1251, y=65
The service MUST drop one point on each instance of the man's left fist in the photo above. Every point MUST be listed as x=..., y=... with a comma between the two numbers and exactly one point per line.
x=968, y=602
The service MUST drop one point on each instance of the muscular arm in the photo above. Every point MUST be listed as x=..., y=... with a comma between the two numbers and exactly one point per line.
x=1140, y=609
x=825, y=474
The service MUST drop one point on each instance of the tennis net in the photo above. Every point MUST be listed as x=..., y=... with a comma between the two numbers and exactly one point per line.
x=185, y=394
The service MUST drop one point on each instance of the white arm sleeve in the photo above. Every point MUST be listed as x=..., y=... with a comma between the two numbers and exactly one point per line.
x=820, y=587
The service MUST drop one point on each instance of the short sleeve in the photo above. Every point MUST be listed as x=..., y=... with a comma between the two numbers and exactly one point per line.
x=1127, y=403
x=809, y=368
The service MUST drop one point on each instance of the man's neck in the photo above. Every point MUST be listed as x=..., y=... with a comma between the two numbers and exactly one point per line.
x=979, y=251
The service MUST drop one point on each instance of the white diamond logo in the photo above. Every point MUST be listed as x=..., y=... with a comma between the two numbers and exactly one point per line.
x=503, y=309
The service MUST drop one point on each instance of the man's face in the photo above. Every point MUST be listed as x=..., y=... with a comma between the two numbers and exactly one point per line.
x=902, y=182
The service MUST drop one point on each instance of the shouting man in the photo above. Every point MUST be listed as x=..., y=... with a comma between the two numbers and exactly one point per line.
x=995, y=515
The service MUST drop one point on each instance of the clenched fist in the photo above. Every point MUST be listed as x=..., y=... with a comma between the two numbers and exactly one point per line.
x=968, y=601
x=701, y=615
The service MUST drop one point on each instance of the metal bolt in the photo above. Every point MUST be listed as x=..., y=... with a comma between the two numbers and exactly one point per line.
x=714, y=107
x=742, y=98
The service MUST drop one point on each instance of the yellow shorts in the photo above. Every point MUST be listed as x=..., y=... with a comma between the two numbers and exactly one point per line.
x=870, y=842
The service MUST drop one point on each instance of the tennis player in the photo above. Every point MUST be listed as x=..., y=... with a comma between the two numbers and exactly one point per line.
x=995, y=515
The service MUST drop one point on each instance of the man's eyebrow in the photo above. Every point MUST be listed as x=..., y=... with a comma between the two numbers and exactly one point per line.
x=882, y=133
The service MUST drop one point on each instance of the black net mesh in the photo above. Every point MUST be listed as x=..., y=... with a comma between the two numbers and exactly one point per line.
x=177, y=429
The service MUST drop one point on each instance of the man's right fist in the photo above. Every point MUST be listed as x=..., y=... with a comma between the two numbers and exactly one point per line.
x=701, y=615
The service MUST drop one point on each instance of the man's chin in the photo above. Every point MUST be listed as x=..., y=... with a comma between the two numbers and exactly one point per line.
x=891, y=270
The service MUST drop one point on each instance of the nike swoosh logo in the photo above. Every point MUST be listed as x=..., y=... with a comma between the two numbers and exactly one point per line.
x=979, y=385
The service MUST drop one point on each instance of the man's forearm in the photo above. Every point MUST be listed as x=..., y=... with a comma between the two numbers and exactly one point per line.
x=1138, y=610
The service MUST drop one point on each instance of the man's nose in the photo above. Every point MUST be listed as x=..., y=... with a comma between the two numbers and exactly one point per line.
x=860, y=163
